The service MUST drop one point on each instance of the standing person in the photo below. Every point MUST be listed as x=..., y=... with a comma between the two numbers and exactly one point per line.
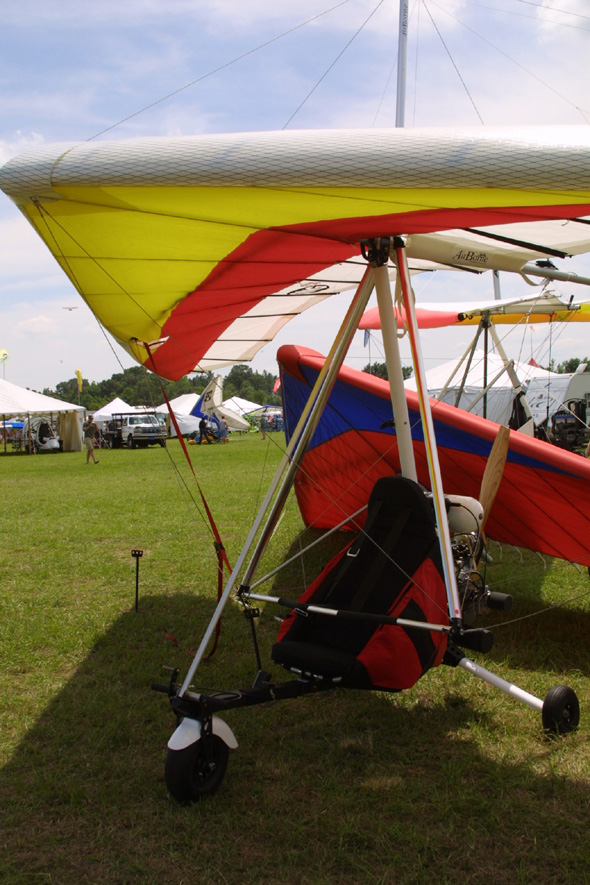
x=90, y=431
x=204, y=432
x=263, y=426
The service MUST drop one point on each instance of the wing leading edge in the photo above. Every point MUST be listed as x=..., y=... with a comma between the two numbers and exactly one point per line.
x=204, y=247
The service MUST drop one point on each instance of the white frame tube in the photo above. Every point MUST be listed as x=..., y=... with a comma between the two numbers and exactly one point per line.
x=430, y=448
x=334, y=613
x=402, y=55
x=497, y=681
x=511, y=371
x=397, y=389
x=290, y=461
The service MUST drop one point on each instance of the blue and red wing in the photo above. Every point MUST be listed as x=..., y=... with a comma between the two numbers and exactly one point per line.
x=543, y=502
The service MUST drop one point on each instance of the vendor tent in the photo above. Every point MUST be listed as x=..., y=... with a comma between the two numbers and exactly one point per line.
x=105, y=413
x=188, y=415
x=241, y=406
x=182, y=406
x=20, y=402
x=541, y=387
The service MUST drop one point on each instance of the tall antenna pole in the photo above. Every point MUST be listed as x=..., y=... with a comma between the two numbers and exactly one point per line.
x=402, y=51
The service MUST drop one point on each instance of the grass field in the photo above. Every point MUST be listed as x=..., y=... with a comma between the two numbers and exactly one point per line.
x=449, y=782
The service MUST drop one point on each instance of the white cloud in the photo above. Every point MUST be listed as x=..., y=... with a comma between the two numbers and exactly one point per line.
x=40, y=324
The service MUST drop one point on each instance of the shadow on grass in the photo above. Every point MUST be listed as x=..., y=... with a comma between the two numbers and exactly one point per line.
x=546, y=628
x=340, y=787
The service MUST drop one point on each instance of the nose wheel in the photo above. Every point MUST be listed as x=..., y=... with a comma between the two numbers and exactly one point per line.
x=196, y=770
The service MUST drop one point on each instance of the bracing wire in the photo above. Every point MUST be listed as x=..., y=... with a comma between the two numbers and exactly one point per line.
x=335, y=502
x=583, y=114
x=541, y=611
x=453, y=62
x=542, y=7
x=44, y=216
x=333, y=63
x=216, y=70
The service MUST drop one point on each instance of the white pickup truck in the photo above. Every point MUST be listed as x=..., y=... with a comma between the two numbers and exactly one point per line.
x=134, y=429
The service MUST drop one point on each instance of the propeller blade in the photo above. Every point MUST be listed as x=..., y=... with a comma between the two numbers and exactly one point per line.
x=492, y=475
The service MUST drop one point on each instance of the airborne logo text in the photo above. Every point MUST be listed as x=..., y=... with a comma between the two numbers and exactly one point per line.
x=471, y=257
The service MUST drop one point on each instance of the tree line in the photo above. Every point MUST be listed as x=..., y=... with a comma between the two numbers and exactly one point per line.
x=138, y=387
x=567, y=367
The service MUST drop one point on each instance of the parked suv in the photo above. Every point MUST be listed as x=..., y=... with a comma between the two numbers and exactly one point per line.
x=133, y=429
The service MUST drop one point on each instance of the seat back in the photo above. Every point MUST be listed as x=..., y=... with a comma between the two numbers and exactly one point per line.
x=392, y=567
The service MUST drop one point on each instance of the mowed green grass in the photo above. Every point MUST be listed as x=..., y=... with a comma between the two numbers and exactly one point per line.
x=450, y=781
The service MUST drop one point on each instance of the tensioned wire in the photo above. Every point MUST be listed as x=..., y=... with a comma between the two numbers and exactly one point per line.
x=334, y=502
x=221, y=68
x=180, y=479
x=341, y=53
x=440, y=37
x=547, y=480
x=333, y=63
x=583, y=114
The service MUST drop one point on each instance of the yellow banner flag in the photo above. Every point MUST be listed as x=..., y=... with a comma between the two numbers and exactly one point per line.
x=79, y=377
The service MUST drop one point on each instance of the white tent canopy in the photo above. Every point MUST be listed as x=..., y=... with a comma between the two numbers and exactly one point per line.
x=550, y=388
x=241, y=406
x=183, y=405
x=116, y=405
x=20, y=402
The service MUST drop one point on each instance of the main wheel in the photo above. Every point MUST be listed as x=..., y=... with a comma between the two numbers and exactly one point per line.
x=561, y=710
x=196, y=771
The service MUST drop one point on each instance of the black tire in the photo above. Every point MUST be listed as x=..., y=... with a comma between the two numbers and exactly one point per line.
x=162, y=442
x=561, y=710
x=190, y=774
x=130, y=442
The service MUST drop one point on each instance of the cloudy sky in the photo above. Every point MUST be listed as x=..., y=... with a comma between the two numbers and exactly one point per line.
x=70, y=71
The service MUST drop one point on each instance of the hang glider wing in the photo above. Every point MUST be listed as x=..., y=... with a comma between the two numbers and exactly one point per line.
x=542, y=308
x=211, y=398
x=541, y=503
x=211, y=403
x=193, y=252
x=519, y=248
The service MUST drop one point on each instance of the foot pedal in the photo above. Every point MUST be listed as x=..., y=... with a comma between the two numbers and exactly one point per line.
x=262, y=679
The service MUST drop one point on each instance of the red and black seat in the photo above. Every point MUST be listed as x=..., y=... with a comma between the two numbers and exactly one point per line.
x=393, y=567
